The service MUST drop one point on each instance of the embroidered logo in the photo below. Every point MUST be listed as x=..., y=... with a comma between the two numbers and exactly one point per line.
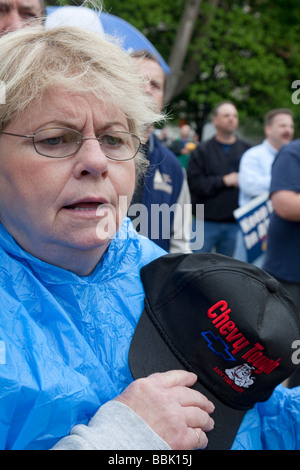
x=229, y=343
x=241, y=375
x=218, y=346
x=251, y=354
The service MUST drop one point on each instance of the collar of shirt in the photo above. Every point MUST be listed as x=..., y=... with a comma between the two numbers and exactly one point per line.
x=269, y=147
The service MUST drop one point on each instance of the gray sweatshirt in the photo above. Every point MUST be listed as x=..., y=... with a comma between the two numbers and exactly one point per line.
x=114, y=427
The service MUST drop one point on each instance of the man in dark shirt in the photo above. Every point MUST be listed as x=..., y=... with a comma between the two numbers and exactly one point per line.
x=213, y=181
x=283, y=248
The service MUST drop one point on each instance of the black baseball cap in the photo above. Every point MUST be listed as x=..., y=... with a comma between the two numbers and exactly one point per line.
x=229, y=322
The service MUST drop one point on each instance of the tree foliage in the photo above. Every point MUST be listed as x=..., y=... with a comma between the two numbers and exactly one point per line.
x=250, y=56
x=246, y=51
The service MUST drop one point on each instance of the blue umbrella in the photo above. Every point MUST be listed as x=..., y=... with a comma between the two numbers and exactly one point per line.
x=132, y=39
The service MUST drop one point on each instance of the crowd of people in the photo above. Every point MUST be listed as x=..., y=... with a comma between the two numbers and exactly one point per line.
x=225, y=172
x=79, y=159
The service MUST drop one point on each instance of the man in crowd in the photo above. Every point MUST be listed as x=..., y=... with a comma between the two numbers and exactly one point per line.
x=163, y=196
x=283, y=247
x=213, y=181
x=256, y=165
x=183, y=146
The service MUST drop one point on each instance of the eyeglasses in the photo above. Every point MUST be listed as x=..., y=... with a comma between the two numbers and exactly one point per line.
x=60, y=142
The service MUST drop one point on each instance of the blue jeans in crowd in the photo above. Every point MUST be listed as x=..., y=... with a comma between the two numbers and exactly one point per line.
x=219, y=237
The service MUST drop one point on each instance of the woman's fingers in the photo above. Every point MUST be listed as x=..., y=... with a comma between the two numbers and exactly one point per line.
x=198, y=418
x=177, y=413
x=201, y=437
x=179, y=380
x=172, y=378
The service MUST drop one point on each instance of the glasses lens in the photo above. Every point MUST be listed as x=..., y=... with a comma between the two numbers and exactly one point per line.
x=57, y=142
x=119, y=145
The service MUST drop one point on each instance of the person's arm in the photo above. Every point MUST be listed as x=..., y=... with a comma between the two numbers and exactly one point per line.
x=285, y=183
x=286, y=204
x=114, y=427
x=231, y=180
x=157, y=412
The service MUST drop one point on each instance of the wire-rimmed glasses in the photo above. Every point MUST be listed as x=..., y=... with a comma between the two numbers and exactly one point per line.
x=60, y=142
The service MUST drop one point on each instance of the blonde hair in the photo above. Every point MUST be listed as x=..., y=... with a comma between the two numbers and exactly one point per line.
x=34, y=60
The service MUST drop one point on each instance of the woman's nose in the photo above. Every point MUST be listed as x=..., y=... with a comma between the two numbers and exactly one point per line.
x=90, y=158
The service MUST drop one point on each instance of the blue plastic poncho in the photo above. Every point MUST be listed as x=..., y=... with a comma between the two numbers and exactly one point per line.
x=272, y=425
x=64, y=339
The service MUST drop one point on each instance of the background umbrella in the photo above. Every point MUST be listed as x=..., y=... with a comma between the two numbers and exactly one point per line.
x=132, y=39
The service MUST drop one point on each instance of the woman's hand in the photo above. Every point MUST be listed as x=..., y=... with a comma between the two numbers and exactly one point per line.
x=177, y=413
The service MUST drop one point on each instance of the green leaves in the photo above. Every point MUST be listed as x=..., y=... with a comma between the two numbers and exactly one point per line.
x=247, y=51
x=246, y=59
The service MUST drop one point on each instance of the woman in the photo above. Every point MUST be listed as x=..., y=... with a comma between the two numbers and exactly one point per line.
x=70, y=290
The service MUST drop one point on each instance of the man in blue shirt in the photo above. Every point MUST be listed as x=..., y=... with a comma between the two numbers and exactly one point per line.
x=283, y=250
x=256, y=164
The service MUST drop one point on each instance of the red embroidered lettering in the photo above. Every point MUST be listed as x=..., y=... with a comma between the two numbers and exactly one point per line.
x=224, y=330
x=228, y=380
x=254, y=356
x=259, y=360
x=221, y=319
x=257, y=347
x=269, y=366
x=239, y=345
x=235, y=334
x=210, y=311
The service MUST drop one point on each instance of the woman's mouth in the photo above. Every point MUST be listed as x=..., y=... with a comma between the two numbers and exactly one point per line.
x=89, y=208
x=84, y=206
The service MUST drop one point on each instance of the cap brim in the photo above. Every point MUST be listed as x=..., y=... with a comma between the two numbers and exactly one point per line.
x=149, y=353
